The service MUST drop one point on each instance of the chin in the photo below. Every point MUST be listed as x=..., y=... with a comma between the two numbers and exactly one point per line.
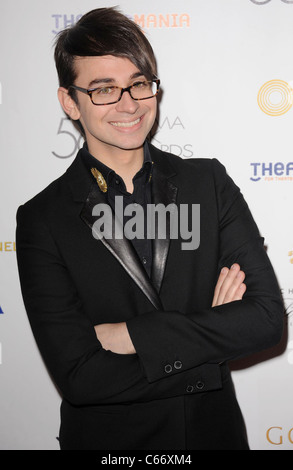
x=130, y=144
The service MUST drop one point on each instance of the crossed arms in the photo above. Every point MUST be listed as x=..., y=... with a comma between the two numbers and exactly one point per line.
x=84, y=360
x=229, y=288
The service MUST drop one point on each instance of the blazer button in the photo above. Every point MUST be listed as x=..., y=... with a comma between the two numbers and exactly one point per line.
x=190, y=388
x=177, y=364
x=168, y=368
x=199, y=385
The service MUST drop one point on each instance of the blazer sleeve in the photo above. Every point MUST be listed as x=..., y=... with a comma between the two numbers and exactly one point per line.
x=228, y=331
x=83, y=371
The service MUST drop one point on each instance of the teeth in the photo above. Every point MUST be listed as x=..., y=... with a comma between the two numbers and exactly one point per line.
x=125, y=124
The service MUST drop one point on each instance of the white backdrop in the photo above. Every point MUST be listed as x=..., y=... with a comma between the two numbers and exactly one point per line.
x=235, y=59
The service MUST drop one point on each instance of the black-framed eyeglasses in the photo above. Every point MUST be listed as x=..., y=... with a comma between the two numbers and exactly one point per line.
x=140, y=90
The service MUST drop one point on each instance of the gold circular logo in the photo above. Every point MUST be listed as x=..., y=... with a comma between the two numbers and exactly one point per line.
x=275, y=97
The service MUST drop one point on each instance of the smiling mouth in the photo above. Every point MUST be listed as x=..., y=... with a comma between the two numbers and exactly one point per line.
x=126, y=124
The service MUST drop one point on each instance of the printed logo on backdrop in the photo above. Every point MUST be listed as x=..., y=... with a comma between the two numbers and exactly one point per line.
x=275, y=97
x=272, y=171
x=70, y=139
x=145, y=21
x=169, y=20
x=64, y=21
x=7, y=247
x=277, y=435
x=161, y=136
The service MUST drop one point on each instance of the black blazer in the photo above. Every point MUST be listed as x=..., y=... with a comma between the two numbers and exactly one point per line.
x=176, y=392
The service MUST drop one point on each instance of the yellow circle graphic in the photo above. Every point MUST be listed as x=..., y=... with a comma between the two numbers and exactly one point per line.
x=275, y=97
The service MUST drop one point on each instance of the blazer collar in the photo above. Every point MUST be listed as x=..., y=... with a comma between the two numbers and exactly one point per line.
x=85, y=189
x=163, y=192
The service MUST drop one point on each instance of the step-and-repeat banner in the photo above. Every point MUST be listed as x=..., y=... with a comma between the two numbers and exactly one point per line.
x=226, y=69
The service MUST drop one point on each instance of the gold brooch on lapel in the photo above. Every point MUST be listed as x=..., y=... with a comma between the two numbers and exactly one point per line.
x=100, y=180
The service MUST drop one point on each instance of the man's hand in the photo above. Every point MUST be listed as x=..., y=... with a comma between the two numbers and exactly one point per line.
x=115, y=337
x=230, y=286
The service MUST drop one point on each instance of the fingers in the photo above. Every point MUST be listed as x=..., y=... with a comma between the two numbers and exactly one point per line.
x=223, y=274
x=230, y=286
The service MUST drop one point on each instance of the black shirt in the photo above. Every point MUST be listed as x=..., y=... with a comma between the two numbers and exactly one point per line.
x=141, y=196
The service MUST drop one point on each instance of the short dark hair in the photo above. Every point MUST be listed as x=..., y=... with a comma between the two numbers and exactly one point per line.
x=103, y=31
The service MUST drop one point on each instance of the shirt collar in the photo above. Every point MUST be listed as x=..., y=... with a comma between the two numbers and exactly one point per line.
x=108, y=174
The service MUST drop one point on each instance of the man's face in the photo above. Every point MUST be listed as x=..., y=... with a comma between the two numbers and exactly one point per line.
x=119, y=126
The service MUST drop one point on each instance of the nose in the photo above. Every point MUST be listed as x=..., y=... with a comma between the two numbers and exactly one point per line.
x=127, y=104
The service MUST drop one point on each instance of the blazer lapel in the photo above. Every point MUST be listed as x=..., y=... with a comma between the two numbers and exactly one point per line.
x=163, y=192
x=120, y=248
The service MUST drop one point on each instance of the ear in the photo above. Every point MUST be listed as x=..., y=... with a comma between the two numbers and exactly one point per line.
x=68, y=104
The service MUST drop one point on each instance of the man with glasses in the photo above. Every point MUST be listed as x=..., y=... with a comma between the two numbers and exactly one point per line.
x=133, y=330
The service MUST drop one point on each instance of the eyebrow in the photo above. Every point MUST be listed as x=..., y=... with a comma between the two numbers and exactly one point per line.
x=98, y=81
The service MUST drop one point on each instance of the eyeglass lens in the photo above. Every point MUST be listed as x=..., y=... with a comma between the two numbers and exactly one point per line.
x=138, y=91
